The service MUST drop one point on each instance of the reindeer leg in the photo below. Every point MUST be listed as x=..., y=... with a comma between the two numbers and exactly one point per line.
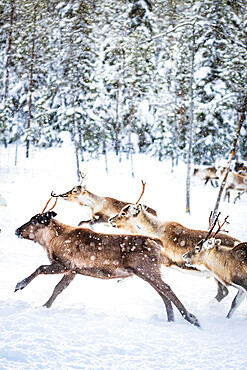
x=63, y=283
x=54, y=268
x=238, y=196
x=236, y=302
x=227, y=195
x=164, y=290
x=222, y=291
x=169, y=309
x=213, y=184
x=167, y=301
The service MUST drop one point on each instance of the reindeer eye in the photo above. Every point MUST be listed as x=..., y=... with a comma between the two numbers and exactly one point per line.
x=33, y=222
x=123, y=214
x=197, y=249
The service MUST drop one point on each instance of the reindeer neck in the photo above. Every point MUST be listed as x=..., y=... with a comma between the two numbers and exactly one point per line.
x=54, y=229
x=217, y=261
x=92, y=201
x=149, y=224
x=57, y=227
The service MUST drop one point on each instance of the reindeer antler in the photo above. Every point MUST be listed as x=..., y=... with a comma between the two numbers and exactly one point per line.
x=143, y=188
x=221, y=225
x=83, y=175
x=52, y=196
x=213, y=225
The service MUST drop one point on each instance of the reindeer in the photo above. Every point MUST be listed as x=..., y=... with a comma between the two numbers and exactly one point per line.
x=176, y=238
x=235, y=182
x=75, y=250
x=101, y=207
x=240, y=168
x=209, y=174
x=228, y=265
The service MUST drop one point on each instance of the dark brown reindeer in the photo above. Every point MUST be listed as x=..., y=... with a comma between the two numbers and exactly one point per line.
x=240, y=168
x=101, y=207
x=228, y=265
x=176, y=238
x=75, y=250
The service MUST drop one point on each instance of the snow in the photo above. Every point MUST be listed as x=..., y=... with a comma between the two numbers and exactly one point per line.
x=96, y=324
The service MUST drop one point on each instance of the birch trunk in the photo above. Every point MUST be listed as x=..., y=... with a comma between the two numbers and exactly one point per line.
x=234, y=144
x=31, y=83
x=8, y=61
x=191, y=123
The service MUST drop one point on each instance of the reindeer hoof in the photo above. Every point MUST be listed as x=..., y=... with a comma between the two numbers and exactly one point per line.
x=193, y=320
x=47, y=305
x=21, y=285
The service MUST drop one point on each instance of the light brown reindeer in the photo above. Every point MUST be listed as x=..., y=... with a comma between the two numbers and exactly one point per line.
x=237, y=183
x=75, y=250
x=209, y=174
x=228, y=265
x=176, y=238
x=101, y=207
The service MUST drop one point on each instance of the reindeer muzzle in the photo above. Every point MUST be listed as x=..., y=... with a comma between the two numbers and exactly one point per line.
x=65, y=195
x=187, y=258
x=18, y=233
x=111, y=222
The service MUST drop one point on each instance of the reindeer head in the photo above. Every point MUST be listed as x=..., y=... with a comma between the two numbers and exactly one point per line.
x=31, y=229
x=196, y=255
x=74, y=195
x=126, y=216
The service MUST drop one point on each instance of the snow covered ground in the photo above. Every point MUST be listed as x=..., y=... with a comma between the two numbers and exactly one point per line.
x=97, y=324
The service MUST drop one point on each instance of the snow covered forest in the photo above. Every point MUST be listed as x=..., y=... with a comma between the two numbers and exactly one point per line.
x=125, y=75
x=116, y=87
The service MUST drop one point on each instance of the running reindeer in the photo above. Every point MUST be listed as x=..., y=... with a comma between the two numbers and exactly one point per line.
x=101, y=207
x=228, y=265
x=235, y=182
x=176, y=238
x=211, y=174
x=75, y=250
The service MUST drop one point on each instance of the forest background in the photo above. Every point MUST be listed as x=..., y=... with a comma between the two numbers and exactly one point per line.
x=128, y=76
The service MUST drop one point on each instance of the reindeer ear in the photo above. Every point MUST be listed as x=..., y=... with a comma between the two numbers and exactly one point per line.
x=209, y=244
x=135, y=209
x=217, y=243
x=44, y=218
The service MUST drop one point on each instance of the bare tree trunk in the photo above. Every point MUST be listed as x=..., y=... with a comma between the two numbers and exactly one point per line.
x=130, y=149
x=234, y=144
x=8, y=61
x=105, y=154
x=191, y=123
x=76, y=144
x=80, y=140
x=181, y=118
x=31, y=82
x=117, y=118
